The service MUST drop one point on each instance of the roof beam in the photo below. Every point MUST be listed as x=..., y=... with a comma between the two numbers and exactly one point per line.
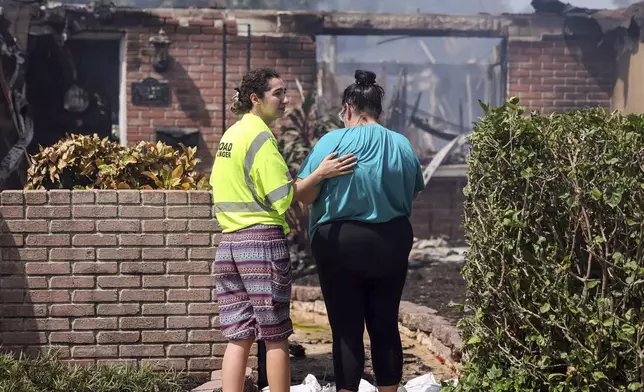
x=427, y=25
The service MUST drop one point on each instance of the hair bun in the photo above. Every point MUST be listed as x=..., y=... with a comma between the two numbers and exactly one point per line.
x=365, y=78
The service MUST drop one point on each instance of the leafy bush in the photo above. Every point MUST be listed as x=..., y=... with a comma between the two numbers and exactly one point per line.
x=89, y=162
x=48, y=373
x=554, y=219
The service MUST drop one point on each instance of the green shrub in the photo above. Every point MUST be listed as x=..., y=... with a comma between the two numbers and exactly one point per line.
x=48, y=374
x=554, y=219
x=89, y=162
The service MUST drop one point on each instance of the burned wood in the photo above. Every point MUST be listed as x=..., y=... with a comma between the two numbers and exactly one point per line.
x=14, y=92
x=350, y=23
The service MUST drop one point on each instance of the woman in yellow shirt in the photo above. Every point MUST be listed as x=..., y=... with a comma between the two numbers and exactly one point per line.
x=252, y=189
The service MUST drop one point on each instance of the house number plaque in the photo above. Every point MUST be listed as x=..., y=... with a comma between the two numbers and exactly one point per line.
x=151, y=92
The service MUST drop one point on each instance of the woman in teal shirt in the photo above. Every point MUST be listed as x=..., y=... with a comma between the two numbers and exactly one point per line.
x=361, y=235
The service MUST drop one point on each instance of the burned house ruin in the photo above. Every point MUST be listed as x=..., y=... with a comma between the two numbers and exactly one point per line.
x=167, y=74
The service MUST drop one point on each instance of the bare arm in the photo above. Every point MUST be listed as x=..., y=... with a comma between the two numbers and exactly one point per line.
x=307, y=190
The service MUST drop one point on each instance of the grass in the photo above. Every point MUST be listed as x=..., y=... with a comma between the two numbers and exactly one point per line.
x=47, y=373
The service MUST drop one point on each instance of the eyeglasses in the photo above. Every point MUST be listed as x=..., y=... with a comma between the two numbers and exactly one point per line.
x=341, y=115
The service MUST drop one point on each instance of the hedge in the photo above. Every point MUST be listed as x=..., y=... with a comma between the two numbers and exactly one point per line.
x=554, y=218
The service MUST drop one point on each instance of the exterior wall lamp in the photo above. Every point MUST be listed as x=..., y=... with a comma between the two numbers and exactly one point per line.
x=161, y=44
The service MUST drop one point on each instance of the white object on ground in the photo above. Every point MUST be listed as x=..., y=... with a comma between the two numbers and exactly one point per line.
x=424, y=383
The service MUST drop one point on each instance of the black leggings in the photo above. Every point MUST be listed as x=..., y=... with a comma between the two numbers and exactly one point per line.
x=362, y=269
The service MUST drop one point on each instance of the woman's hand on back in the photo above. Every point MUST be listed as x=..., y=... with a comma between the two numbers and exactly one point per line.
x=333, y=167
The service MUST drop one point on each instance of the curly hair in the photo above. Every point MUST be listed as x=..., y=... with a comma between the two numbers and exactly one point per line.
x=365, y=95
x=254, y=82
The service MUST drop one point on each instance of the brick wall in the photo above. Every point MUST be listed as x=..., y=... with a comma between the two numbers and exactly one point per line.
x=438, y=210
x=196, y=72
x=111, y=277
x=559, y=74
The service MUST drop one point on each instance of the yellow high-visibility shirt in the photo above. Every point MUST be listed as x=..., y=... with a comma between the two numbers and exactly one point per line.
x=250, y=181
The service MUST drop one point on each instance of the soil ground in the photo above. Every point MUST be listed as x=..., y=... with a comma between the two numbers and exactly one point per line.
x=313, y=333
x=434, y=285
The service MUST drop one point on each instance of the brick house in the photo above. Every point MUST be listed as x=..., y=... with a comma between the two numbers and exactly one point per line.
x=125, y=277
x=552, y=62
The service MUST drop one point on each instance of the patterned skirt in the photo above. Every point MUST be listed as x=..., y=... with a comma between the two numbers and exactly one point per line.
x=253, y=283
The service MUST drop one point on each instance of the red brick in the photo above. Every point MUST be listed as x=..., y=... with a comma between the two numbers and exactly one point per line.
x=83, y=196
x=165, y=225
x=19, y=282
x=164, y=281
x=141, y=212
x=59, y=196
x=201, y=281
x=72, y=337
x=153, y=197
x=35, y=197
x=94, y=240
x=118, y=226
x=94, y=351
x=202, y=253
x=48, y=240
x=71, y=310
x=7, y=324
x=118, y=309
x=189, y=212
x=209, y=225
x=53, y=268
x=164, y=254
x=20, y=310
x=141, y=323
x=24, y=254
x=200, y=197
x=189, y=295
x=25, y=226
x=216, y=239
x=72, y=254
x=95, y=296
x=68, y=226
x=47, y=324
x=129, y=197
x=194, y=267
x=188, y=350
x=117, y=337
x=49, y=296
x=24, y=337
x=12, y=197
x=188, y=239
x=107, y=282
x=95, y=323
x=204, y=363
x=176, y=197
x=192, y=322
x=72, y=282
x=203, y=308
x=94, y=268
x=12, y=212
x=163, y=309
x=142, y=267
x=163, y=336
x=126, y=254
x=80, y=362
x=11, y=240
x=142, y=296
x=141, y=351
x=218, y=349
x=95, y=212
x=106, y=197
x=48, y=212
x=141, y=239
x=165, y=364
x=117, y=362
